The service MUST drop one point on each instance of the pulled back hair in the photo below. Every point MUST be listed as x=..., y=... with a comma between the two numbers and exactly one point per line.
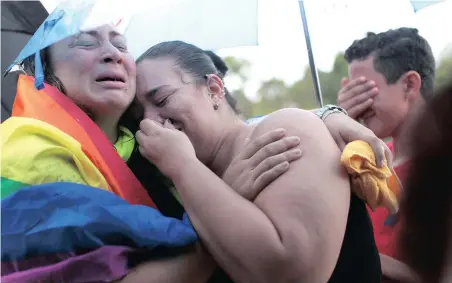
x=396, y=52
x=426, y=209
x=28, y=65
x=193, y=60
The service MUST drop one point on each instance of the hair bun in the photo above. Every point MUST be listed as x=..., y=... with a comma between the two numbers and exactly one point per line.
x=218, y=62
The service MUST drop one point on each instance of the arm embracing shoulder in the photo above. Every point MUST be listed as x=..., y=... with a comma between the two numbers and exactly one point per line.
x=308, y=205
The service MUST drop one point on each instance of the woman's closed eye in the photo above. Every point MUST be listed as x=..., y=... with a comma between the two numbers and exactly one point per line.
x=163, y=96
x=121, y=46
x=162, y=102
x=87, y=43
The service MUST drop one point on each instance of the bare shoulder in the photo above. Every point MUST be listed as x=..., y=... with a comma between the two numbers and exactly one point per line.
x=308, y=214
x=296, y=121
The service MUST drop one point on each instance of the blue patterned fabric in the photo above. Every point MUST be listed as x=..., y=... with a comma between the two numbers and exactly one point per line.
x=67, y=217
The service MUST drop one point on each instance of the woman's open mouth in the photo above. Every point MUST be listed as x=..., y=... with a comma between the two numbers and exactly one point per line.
x=111, y=81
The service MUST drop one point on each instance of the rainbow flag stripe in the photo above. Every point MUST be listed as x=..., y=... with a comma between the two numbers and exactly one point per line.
x=49, y=106
x=66, y=217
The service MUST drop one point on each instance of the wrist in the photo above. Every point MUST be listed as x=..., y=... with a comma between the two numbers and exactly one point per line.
x=328, y=110
x=183, y=169
x=335, y=115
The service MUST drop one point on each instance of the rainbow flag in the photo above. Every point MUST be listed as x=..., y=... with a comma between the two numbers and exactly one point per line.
x=52, y=230
x=69, y=201
x=47, y=122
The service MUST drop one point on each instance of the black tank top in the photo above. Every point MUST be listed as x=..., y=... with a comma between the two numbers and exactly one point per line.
x=358, y=261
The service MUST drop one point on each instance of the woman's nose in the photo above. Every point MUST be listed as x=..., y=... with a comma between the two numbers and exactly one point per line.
x=152, y=115
x=111, y=54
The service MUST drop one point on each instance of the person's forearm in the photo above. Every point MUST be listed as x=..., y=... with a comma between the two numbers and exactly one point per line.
x=396, y=271
x=195, y=267
x=240, y=237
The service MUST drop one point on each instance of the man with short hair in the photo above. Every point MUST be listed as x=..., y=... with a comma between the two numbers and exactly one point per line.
x=391, y=75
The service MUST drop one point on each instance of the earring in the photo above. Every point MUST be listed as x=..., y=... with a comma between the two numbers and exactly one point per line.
x=215, y=106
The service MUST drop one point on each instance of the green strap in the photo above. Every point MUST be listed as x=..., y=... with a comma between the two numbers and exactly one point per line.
x=125, y=146
x=125, y=143
x=175, y=193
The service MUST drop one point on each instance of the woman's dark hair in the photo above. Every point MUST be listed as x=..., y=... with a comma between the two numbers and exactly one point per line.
x=426, y=209
x=28, y=65
x=192, y=60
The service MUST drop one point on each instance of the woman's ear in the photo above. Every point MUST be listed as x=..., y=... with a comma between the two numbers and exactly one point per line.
x=215, y=88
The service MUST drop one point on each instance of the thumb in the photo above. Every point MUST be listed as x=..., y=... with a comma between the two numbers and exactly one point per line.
x=344, y=82
x=168, y=125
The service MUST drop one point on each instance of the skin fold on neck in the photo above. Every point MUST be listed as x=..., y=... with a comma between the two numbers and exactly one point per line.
x=232, y=141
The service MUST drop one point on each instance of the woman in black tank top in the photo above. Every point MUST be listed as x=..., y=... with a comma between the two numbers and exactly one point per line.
x=292, y=231
x=358, y=261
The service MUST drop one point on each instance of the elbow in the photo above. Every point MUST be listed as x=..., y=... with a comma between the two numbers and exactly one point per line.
x=281, y=268
x=304, y=261
x=300, y=257
x=282, y=271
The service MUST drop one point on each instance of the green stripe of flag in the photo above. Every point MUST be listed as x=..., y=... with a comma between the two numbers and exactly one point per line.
x=9, y=186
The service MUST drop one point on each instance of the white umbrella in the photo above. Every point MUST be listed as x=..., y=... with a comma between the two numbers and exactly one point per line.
x=209, y=24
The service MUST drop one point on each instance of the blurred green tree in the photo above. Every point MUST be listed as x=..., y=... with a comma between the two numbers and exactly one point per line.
x=275, y=93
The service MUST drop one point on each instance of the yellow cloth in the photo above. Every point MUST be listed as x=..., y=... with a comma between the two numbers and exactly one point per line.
x=35, y=152
x=378, y=187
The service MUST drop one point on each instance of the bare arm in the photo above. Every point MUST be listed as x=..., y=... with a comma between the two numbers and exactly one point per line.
x=295, y=228
x=396, y=271
x=194, y=267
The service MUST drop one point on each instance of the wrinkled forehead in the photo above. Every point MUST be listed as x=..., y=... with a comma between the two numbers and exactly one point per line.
x=154, y=73
x=102, y=33
x=365, y=68
x=106, y=31
x=359, y=68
